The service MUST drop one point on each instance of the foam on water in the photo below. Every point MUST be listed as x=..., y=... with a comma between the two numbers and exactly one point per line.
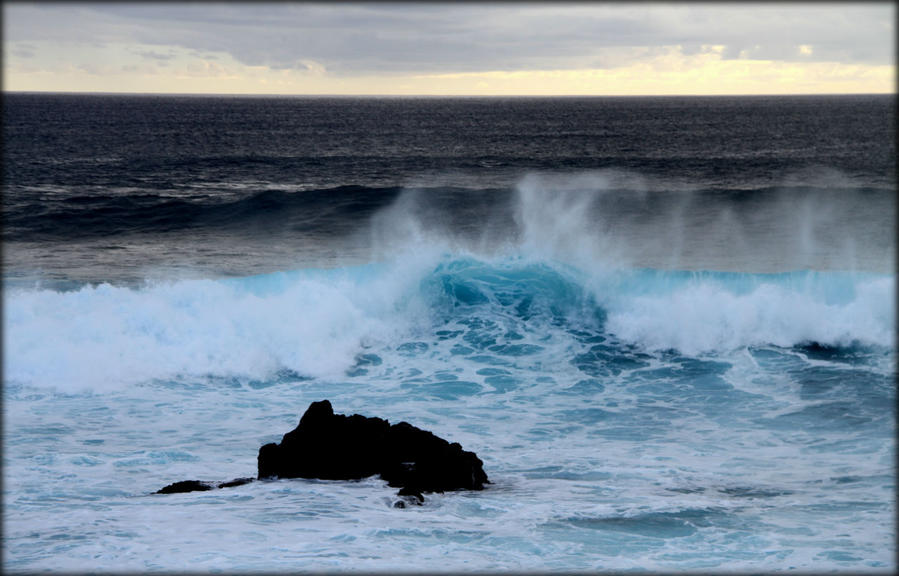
x=100, y=336
x=629, y=417
x=700, y=313
x=600, y=458
x=315, y=322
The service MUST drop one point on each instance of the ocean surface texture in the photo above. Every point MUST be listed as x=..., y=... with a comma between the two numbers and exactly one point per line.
x=666, y=325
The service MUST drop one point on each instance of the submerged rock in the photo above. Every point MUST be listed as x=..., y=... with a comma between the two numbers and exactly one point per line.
x=185, y=486
x=332, y=446
x=235, y=482
x=199, y=486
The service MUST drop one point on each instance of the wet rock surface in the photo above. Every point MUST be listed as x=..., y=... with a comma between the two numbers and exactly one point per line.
x=330, y=446
x=199, y=486
x=334, y=446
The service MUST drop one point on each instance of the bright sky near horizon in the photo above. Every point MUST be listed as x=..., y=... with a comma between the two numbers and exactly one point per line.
x=463, y=48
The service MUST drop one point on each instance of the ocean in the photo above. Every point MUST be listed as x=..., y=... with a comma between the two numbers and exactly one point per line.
x=665, y=324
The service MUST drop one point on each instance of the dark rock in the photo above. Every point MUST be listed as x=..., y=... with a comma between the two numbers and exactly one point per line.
x=200, y=486
x=185, y=486
x=338, y=447
x=236, y=482
x=409, y=497
x=332, y=446
x=412, y=493
x=326, y=446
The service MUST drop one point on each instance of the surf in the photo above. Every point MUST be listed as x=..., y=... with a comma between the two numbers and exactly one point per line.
x=315, y=322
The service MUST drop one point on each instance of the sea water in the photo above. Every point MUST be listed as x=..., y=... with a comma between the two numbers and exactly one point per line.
x=666, y=326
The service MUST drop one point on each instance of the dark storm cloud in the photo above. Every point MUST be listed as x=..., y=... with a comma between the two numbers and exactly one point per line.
x=467, y=37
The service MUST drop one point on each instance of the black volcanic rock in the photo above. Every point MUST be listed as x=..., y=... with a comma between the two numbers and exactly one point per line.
x=338, y=447
x=185, y=486
x=200, y=486
x=235, y=482
x=332, y=446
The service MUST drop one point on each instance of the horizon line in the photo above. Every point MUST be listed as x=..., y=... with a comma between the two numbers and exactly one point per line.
x=425, y=95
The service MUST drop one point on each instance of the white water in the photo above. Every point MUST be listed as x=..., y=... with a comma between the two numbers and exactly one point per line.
x=315, y=322
x=629, y=418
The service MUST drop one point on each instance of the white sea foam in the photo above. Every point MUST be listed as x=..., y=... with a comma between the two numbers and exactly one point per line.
x=707, y=315
x=644, y=468
x=315, y=323
x=102, y=336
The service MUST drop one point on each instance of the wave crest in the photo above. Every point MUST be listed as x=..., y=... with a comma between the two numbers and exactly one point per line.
x=317, y=322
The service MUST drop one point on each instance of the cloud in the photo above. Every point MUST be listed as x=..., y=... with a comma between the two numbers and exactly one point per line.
x=23, y=51
x=350, y=39
x=153, y=55
x=450, y=47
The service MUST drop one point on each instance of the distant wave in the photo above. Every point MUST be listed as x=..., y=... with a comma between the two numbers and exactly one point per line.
x=605, y=201
x=106, y=214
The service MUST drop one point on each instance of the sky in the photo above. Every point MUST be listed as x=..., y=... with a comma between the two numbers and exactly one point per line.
x=462, y=48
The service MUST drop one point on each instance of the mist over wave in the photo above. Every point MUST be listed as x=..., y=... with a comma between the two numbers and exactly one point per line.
x=615, y=219
x=602, y=218
x=575, y=243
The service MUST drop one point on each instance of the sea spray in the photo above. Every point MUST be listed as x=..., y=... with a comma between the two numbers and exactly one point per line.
x=668, y=334
x=616, y=219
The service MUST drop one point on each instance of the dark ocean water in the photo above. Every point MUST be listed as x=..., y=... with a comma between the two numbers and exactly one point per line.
x=170, y=181
x=667, y=326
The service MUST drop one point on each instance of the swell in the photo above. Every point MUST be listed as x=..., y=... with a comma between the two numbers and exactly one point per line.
x=614, y=200
x=107, y=214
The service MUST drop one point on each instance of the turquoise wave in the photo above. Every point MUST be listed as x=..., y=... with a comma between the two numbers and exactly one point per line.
x=316, y=322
